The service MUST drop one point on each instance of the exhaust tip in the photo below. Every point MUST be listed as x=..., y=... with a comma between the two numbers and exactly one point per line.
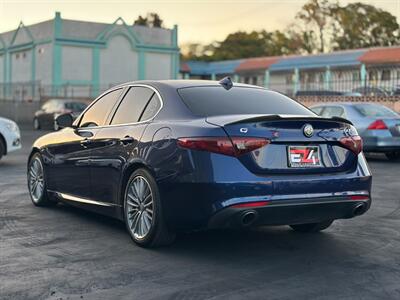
x=359, y=209
x=248, y=218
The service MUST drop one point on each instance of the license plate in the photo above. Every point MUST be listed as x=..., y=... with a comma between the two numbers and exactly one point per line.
x=303, y=156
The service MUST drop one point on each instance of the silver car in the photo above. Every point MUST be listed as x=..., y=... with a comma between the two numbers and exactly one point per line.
x=378, y=125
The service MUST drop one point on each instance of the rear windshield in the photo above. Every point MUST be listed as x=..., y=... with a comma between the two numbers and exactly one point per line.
x=208, y=101
x=75, y=106
x=371, y=110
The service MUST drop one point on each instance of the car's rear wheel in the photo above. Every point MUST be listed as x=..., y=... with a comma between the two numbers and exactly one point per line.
x=393, y=155
x=37, y=182
x=36, y=124
x=143, y=211
x=312, y=227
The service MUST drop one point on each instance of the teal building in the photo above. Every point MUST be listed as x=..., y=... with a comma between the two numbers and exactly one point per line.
x=66, y=58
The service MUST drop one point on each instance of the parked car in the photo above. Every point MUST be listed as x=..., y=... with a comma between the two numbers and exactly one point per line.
x=45, y=117
x=318, y=93
x=371, y=91
x=378, y=125
x=181, y=155
x=10, y=137
x=326, y=93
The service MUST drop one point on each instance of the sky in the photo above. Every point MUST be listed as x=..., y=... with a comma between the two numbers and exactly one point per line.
x=199, y=21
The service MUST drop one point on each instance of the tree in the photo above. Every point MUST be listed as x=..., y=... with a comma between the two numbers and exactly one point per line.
x=141, y=21
x=359, y=25
x=151, y=20
x=317, y=15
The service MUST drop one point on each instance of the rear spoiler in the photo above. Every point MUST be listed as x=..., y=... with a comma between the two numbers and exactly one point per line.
x=238, y=119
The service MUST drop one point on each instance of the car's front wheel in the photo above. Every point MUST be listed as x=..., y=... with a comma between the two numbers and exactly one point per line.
x=37, y=181
x=143, y=211
x=393, y=155
x=312, y=227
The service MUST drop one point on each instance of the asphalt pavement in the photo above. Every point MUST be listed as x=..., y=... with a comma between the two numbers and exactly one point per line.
x=67, y=253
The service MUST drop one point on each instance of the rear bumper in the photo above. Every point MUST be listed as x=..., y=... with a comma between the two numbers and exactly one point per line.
x=203, y=199
x=286, y=212
x=381, y=144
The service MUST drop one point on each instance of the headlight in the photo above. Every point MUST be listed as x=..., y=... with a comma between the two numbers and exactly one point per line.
x=13, y=127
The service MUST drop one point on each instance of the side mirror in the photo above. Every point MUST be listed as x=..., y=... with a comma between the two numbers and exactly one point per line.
x=64, y=120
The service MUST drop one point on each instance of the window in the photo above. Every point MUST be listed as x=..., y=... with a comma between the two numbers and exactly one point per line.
x=131, y=108
x=152, y=108
x=215, y=100
x=317, y=109
x=98, y=112
x=333, y=111
x=75, y=106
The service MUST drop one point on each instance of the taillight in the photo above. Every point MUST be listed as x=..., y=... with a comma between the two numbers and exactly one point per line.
x=377, y=125
x=358, y=197
x=353, y=143
x=234, y=146
x=251, y=204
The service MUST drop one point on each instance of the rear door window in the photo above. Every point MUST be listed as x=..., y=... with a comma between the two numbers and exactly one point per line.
x=131, y=108
x=215, y=100
x=152, y=108
x=333, y=111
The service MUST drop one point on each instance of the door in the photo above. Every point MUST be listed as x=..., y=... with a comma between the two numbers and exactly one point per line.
x=114, y=146
x=70, y=167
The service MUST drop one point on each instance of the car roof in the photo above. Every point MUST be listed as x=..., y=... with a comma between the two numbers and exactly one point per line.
x=178, y=84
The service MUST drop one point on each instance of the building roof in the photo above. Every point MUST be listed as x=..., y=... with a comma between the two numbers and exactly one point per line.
x=257, y=63
x=334, y=59
x=88, y=32
x=347, y=58
x=381, y=55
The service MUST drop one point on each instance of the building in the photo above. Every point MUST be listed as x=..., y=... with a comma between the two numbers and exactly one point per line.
x=61, y=57
x=343, y=71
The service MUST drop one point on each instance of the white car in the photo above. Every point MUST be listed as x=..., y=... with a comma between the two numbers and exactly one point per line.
x=10, y=137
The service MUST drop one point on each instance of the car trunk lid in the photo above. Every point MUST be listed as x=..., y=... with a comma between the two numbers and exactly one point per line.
x=290, y=149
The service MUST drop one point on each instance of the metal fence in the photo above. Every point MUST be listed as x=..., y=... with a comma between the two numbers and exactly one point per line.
x=37, y=92
x=376, y=81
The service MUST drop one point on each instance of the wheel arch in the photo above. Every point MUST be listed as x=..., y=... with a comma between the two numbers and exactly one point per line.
x=132, y=167
x=3, y=140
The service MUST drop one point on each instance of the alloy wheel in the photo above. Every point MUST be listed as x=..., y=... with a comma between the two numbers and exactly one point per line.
x=139, y=201
x=36, y=180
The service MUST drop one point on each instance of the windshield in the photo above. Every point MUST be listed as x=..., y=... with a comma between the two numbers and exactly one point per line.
x=372, y=110
x=208, y=101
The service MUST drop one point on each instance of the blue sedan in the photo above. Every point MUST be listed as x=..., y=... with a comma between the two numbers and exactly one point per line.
x=170, y=156
x=378, y=125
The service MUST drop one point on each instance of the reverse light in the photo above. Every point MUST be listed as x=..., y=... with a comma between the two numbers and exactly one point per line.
x=251, y=204
x=353, y=143
x=234, y=146
x=377, y=125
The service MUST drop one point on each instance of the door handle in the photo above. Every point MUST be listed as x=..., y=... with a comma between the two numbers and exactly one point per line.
x=85, y=143
x=127, y=140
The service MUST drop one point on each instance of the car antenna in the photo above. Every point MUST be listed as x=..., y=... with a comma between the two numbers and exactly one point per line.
x=226, y=83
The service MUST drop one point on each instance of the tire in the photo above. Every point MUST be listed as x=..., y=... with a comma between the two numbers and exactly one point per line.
x=36, y=177
x=2, y=148
x=393, y=155
x=143, y=212
x=36, y=124
x=312, y=227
